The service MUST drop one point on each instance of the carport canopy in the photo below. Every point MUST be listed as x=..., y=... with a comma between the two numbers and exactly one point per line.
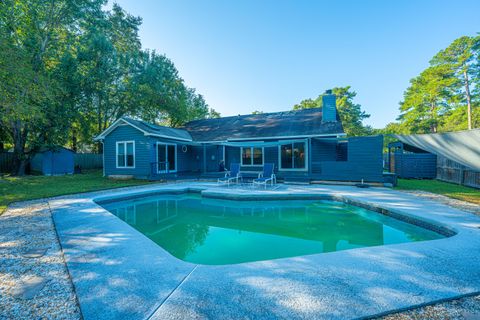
x=462, y=146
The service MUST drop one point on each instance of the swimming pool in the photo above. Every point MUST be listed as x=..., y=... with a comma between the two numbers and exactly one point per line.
x=218, y=232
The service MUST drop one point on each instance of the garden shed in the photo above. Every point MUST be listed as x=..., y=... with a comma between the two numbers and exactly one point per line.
x=53, y=161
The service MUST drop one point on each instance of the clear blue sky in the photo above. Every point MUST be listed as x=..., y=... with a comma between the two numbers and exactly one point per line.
x=268, y=55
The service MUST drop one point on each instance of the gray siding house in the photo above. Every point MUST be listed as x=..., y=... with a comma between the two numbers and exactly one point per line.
x=304, y=145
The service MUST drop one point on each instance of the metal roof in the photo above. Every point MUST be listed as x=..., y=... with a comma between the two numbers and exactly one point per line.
x=462, y=146
x=289, y=124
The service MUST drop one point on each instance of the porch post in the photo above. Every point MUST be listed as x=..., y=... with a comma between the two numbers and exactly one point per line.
x=204, y=169
x=309, y=154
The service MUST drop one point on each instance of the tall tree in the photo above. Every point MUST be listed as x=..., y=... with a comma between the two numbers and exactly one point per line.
x=460, y=58
x=68, y=69
x=350, y=113
x=427, y=99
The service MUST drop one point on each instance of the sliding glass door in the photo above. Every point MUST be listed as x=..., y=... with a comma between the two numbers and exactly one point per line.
x=293, y=156
x=166, y=157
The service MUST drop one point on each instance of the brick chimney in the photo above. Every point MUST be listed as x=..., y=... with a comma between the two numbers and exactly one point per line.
x=329, y=111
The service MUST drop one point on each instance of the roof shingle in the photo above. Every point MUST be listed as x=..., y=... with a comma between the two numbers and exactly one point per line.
x=305, y=122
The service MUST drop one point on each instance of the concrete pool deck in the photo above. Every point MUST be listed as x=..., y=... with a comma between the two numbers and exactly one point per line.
x=119, y=273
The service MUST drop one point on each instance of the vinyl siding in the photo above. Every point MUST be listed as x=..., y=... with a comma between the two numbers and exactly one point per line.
x=184, y=159
x=364, y=162
x=143, y=152
x=364, y=159
x=322, y=150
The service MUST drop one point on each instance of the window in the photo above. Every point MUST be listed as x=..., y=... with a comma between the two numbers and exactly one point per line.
x=342, y=151
x=252, y=156
x=292, y=156
x=126, y=154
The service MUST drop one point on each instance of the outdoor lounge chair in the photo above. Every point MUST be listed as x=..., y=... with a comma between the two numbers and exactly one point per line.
x=232, y=175
x=267, y=176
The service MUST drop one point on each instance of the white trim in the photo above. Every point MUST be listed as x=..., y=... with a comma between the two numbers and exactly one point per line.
x=166, y=144
x=107, y=131
x=167, y=137
x=117, y=123
x=125, y=154
x=251, y=158
x=255, y=139
x=305, y=141
x=287, y=137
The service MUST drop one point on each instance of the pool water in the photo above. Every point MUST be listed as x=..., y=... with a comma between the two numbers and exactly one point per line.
x=217, y=232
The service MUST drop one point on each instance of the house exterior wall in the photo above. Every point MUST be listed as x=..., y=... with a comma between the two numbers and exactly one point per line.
x=363, y=160
x=143, y=152
x=185, y=158
x=189, y=158
x=322, y=150
x=270, y=155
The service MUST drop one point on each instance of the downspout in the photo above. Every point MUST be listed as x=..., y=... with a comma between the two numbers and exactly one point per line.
x=103, y=158
x=204, y=169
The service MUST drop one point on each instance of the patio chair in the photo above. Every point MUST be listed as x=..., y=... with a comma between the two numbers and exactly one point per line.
x=267, y=176
x=232, y=175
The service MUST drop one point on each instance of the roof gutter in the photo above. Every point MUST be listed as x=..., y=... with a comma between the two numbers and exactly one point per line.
x=291, y=137
x=168, y=137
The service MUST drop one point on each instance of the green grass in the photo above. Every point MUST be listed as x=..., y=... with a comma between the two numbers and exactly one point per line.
x=444, y=188
x=14, y=189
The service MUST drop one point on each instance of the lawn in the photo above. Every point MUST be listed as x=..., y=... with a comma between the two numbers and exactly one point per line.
x=34, y=187
x=444, y=188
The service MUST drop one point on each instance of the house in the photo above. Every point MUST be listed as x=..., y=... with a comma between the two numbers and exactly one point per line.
x=451, y=157
x=304, y=145
x=53, y=161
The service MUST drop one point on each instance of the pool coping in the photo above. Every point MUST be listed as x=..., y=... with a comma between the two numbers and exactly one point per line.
x=437, y=269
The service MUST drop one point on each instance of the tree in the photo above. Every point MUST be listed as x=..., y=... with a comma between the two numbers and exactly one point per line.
x=459, y=59
x=161, y=96
x=68, y=69
x=34, y=34
x=427, y=99
x=350, y=113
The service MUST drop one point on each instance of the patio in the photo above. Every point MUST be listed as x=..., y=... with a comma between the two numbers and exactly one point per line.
x=118, y=272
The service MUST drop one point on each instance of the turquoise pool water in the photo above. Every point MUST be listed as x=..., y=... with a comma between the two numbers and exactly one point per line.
x=216, y=232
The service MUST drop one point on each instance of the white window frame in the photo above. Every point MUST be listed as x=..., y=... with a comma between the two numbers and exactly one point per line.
x=251, y=159
x=166, y=144
x=125, y=154
x=305, y=142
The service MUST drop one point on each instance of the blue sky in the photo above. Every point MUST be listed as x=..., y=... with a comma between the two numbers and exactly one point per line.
x=268, y=55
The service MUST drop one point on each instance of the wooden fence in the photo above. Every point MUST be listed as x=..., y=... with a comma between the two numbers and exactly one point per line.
x=6, y=162
x=413, y=165
x=89, y=160
x=451, y=171
x=84, y=160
